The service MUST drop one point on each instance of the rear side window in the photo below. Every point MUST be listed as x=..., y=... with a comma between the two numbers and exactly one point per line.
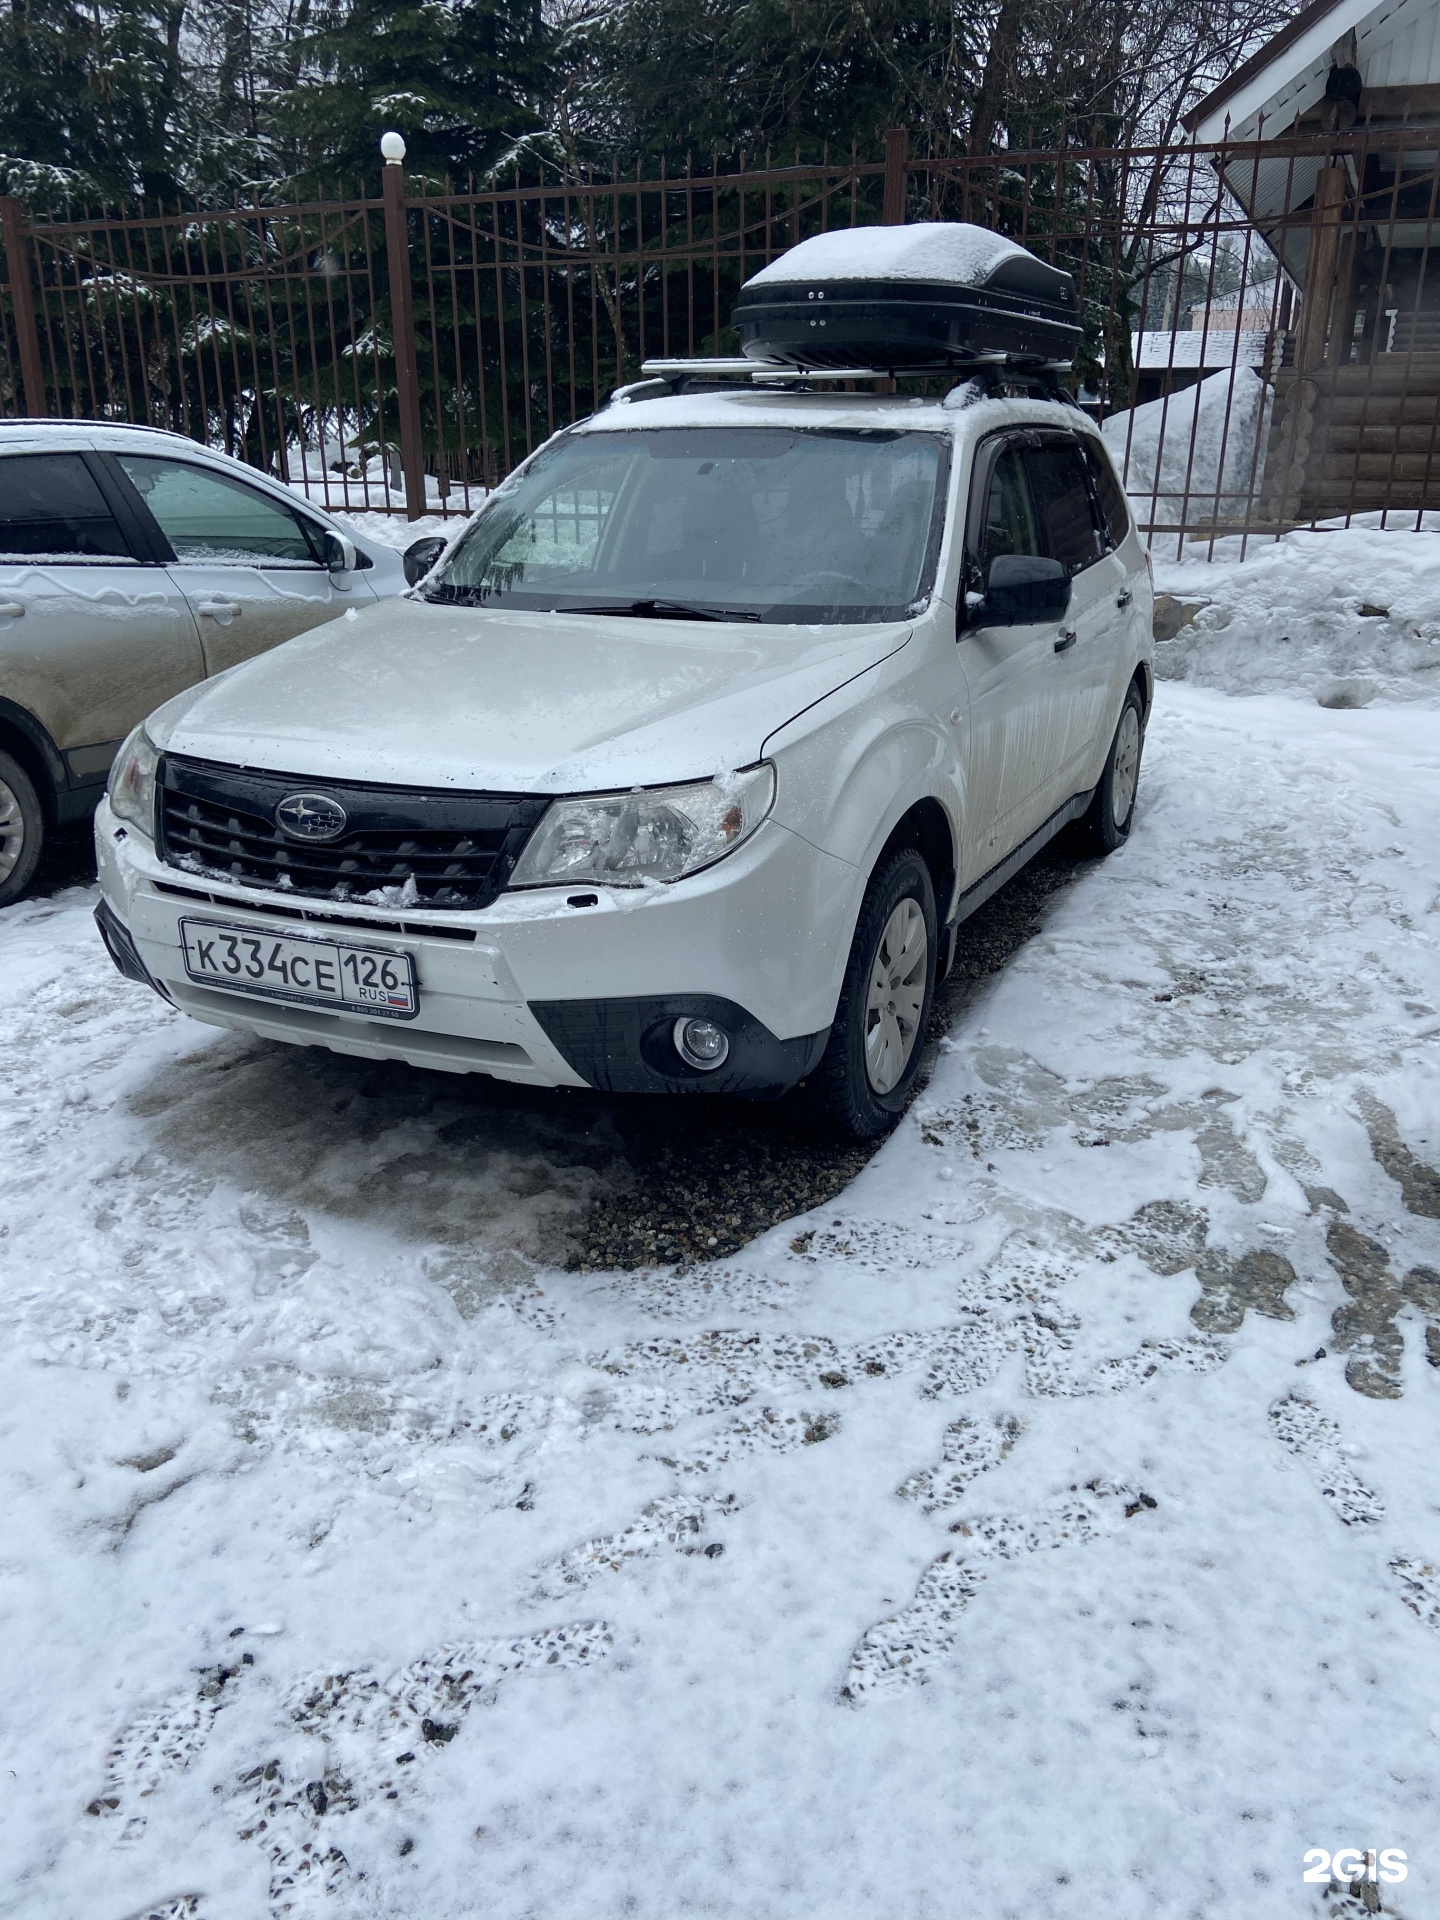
x=51, y=509
x=1114, y=510
x=209, y=516
x=1068, y=532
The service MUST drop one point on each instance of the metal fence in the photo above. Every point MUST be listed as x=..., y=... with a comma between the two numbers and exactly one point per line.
x=1261, y=320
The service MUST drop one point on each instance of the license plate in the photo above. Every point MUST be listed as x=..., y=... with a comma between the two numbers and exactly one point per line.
x=305, y=969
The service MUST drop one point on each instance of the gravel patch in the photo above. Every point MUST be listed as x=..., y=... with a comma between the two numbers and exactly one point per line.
x=710, y=1174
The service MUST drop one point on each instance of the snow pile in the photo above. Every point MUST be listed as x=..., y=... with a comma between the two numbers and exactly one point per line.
x=1227, y=417
x=329, y=477
x=1348, y=615
x=929, y=250
x=394, y=530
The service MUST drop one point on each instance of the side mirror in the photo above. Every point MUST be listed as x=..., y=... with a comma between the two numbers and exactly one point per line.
x=421, y=555
x=1021, y=588
x=340, y=554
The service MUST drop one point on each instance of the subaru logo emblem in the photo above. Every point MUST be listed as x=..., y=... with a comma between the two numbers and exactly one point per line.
x=310, y=816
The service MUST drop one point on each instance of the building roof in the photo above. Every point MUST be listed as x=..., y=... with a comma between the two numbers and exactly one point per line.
x=1274, y=50
x=1197, y=347
x=1396, y=42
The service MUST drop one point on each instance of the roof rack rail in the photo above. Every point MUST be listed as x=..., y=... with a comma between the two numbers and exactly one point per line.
x=991, y=370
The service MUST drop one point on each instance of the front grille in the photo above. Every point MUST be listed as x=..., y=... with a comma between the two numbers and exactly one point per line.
x=401, y=846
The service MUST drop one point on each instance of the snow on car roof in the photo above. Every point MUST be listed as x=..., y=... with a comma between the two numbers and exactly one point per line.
x=756, y=407
x=948, y=250
x=87, y=432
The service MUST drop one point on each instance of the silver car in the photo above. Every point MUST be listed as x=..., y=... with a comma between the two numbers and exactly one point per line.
x=134, y=563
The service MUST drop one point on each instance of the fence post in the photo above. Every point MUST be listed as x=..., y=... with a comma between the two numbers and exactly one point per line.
x=22, y=306
x=402, y=321
x=897, y=171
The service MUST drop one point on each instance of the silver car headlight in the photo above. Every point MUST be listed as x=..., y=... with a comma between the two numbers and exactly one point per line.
x=132, y=783
x=654, y=833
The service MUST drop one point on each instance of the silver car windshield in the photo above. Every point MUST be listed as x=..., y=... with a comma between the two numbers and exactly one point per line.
x=720, y=523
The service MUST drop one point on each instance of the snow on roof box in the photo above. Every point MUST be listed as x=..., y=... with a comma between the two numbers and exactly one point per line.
x=939, y=293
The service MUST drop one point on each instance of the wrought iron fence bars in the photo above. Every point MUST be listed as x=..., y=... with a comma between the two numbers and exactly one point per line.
x=1261, y=316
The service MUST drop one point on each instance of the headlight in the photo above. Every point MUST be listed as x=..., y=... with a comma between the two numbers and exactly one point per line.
x=657, y=833
x=132, y=783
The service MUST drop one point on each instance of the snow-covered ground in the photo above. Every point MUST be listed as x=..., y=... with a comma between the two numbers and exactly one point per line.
x=1047, y=1527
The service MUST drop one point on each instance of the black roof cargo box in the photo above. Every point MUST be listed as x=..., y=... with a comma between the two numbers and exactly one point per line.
x=938, y=294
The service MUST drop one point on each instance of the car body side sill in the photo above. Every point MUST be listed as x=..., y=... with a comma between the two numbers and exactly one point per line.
x=974, y=897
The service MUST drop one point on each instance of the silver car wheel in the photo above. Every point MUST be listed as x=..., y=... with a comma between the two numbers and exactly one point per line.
x=1126, y=770
x=12, y=830
x=896, y=997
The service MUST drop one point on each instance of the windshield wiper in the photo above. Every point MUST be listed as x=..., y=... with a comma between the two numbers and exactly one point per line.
x=664, y=610
x=445, y=595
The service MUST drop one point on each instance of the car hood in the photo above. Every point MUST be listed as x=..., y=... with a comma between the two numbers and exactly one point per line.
x=420, y=695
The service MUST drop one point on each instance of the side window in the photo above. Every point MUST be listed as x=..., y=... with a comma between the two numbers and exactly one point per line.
x=1009, y=525
x=1068, y=532
x=1114, y=509
x=208, y=516
x=51, y=509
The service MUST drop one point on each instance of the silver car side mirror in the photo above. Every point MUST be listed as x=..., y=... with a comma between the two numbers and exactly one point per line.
x=421, y=555
x=340, y=554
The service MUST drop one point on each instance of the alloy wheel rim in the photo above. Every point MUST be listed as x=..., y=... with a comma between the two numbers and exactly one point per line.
x=12, y=831
x=1127, y=767
x=896, y=997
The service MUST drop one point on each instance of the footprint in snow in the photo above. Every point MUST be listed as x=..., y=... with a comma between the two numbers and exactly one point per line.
x=905, y=1649
x=1049, y=1339
x=1172, y=1238
x=1419, y=1184
x=768, y=1430
x=970, y=1447
x=376, y=1732
x=663, y=1380
x=1367, y=1326
x=1419, y=1583
x=1316, y=1439
x=679, y=1521
x=1313, y=1437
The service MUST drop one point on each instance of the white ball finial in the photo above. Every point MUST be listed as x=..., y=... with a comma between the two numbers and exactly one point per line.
x=393, y=148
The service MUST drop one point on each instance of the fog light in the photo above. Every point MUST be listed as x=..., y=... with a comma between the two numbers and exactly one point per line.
x=701, y=1044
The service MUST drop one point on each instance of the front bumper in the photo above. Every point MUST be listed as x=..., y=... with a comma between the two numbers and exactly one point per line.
x=551, y=987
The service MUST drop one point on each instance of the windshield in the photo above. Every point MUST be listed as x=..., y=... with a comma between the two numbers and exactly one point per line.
x=748, y=523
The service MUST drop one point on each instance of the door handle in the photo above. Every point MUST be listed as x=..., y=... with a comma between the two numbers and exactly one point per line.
x=10, y=609
x=1123, y=599
x=220, y=609
x=1068, y=637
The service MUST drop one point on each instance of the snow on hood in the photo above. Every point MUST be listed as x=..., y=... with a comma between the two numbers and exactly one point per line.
x=930, y=250
x=422, y=695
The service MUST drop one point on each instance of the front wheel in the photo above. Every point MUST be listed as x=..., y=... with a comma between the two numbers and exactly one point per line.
x=22, y=829
x=869, y=1066
x=1108, y=819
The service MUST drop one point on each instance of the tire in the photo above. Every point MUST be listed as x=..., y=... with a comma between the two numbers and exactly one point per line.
x=22, y=829
x=1106, y=824
x=864, y=1079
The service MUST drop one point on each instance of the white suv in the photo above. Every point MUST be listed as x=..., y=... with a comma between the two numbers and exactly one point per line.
x=682, y=767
